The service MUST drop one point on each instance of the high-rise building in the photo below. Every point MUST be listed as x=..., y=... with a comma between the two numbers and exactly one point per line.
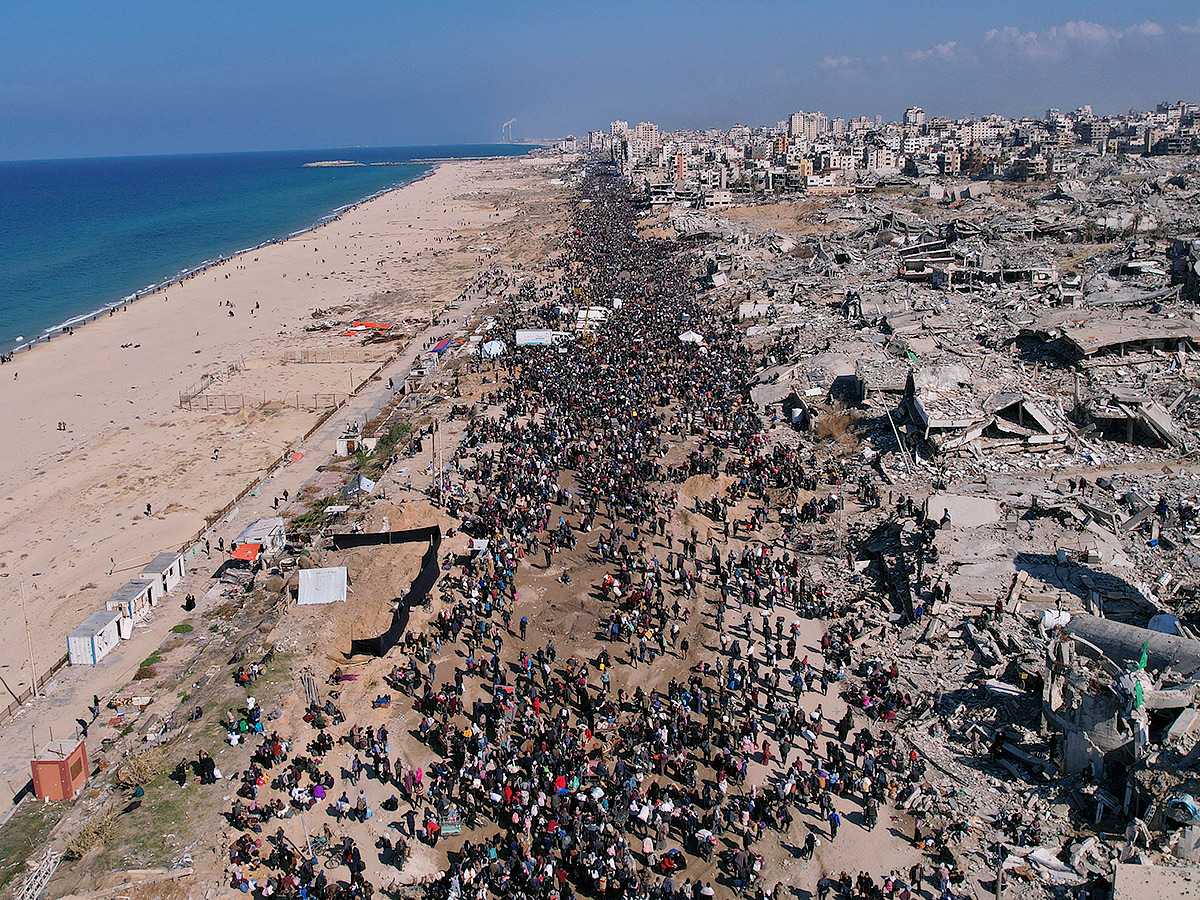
x=1094, y=132
x=914, y=115
x=808, y=127
x=647, y=133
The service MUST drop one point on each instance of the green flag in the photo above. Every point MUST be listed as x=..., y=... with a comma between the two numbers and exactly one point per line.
x=1145, y=655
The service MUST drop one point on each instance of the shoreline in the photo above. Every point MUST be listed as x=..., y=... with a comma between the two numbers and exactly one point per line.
x=127, y=473
x=63, y=329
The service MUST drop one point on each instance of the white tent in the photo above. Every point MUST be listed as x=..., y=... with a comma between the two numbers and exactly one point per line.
x=492, y=349
x=691, y=337
x=322, y=586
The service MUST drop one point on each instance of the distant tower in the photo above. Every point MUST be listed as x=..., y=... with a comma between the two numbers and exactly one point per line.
x=507, y=125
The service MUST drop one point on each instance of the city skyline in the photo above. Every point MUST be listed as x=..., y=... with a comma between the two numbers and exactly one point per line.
x=88, y=80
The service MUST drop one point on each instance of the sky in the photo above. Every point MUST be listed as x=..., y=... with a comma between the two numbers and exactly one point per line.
x=122, y=77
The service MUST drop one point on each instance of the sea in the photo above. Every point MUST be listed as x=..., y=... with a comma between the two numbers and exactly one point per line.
x=78, y=236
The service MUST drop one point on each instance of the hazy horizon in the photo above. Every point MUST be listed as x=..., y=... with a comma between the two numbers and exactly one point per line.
x=345, y=148
x=94, y=80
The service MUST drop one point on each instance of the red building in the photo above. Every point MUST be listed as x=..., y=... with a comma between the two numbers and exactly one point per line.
x=60, y=770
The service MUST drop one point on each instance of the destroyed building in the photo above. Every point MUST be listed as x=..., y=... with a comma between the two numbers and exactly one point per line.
x=1024, y=363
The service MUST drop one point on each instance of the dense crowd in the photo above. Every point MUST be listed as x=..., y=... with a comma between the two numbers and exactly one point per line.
x=563, y=781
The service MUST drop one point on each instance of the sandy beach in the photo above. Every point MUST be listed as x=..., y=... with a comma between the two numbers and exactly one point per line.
x=134, y=474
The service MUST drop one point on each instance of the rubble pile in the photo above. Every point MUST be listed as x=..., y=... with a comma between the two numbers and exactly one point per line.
x=1018, y=366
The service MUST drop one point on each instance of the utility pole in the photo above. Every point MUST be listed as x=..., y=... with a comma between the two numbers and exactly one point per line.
x=29, y=642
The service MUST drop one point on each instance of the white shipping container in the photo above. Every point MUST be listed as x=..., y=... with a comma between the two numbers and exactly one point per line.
x=92, y=641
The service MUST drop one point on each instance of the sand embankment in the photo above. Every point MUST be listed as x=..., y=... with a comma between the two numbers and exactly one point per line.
x=75, y=501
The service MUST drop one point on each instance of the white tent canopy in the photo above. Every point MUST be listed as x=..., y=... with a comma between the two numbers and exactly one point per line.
x=691, y=337
x=322, y=586
x=492, y=349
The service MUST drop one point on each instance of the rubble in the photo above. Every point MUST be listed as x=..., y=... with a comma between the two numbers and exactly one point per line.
x=1019, y=369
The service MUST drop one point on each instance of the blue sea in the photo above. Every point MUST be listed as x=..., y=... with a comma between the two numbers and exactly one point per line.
x=79, y=235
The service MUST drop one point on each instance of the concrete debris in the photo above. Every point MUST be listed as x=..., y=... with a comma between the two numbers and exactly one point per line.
x=1014, y=373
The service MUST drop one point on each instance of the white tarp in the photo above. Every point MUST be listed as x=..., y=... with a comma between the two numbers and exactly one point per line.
x=360, y=485
x=691, y=337
x=532, y=337
x=492, y=349
x=322, y=586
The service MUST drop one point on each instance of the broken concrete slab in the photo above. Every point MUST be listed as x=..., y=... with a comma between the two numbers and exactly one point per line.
x=965, y=511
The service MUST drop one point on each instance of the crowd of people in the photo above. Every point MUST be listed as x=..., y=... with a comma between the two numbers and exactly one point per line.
x=579, y=773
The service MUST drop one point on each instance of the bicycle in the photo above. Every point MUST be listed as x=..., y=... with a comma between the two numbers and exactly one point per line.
x=324, y=845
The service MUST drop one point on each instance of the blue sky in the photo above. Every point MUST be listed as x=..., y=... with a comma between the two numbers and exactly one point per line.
x=112, y=78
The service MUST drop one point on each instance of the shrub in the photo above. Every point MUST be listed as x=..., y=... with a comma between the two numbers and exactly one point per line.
x=141, y=768
x=94, y=832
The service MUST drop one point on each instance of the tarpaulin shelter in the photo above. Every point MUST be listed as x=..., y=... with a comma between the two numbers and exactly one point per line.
x=691, y=337
x=322, y=586
x=492, y=349
x=247, y=552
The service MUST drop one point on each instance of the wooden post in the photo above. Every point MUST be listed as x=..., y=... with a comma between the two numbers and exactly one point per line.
x=29, y=642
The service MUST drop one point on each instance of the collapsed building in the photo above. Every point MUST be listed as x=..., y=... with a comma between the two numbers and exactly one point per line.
x=1023, y=363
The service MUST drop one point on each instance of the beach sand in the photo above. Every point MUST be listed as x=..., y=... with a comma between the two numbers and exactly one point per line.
x=76, y=526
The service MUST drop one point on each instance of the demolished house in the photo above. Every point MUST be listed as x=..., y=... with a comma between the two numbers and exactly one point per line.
x=1022, y=362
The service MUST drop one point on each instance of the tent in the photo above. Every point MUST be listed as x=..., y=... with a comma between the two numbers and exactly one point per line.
x=492, y=349
x=691, y=337
x=322, y=586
